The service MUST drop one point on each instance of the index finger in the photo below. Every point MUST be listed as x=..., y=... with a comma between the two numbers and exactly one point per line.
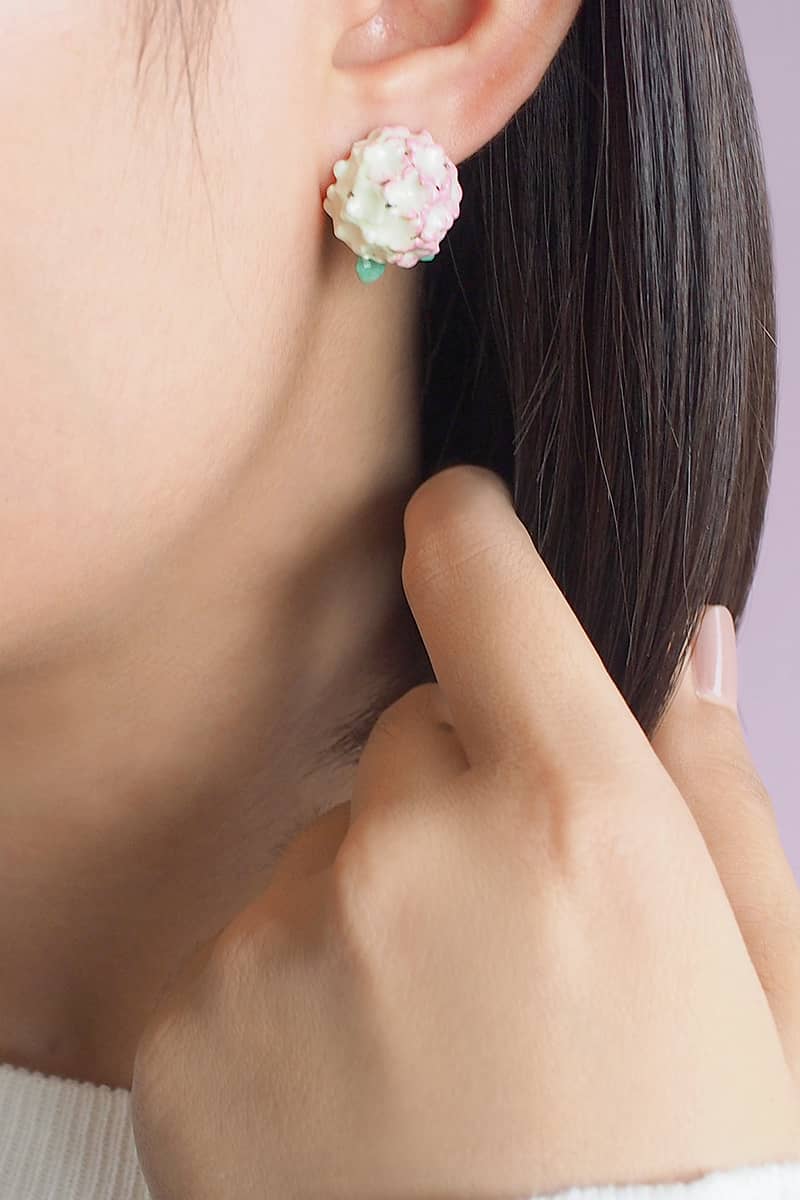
x=521, y=677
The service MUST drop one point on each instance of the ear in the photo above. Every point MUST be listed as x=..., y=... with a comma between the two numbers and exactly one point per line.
x=459, y=68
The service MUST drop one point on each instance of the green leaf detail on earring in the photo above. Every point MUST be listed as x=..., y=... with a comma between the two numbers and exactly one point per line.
x=428, y=258
x=368, y=270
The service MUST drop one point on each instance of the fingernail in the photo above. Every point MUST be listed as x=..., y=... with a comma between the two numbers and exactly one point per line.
x=714, y=658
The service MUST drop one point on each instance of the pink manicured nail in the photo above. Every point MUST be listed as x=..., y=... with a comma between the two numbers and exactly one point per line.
x=714, y=658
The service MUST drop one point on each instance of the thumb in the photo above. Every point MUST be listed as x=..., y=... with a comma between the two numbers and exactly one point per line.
x=701, y=743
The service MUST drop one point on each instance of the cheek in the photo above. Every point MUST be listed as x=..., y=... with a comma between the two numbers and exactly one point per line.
x=147, y=291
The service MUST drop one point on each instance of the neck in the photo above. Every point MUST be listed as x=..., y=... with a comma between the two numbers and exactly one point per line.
x=154, y=768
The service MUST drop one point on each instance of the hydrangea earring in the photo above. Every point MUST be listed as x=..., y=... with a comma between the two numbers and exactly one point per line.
x=394, y=198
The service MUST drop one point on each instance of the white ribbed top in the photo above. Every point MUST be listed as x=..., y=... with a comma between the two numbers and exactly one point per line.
x=63, y=1139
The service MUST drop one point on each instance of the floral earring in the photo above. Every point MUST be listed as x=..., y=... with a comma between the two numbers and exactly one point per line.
x=394, y=198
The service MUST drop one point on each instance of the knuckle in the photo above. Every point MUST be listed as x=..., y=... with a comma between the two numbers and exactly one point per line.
x=387, y=731
x=601, y=826
x=360, y=902
x=552, y=815
x=237, y=962
x=424, y=699
x=411, y=700
x=582, y=835
x=380, y=895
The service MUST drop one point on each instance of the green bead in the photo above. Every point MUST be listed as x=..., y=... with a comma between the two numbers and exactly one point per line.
x=368, y=270
x=429, y=258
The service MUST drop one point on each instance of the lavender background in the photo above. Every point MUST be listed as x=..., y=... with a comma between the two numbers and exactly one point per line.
x=769, y=643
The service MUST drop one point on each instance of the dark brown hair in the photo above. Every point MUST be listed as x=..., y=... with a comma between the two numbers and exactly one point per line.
x=599, y=329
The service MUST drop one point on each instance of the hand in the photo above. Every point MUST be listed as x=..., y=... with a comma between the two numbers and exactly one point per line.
x=523, y=959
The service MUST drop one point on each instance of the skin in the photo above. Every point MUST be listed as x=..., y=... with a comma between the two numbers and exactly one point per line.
x=210, y=433
x=211, y=443
x=520, y=958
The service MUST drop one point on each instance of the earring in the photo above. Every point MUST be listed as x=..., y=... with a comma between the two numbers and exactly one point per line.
x=394, y=198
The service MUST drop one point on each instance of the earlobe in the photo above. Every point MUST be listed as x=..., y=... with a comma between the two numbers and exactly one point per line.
x=460, y=70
